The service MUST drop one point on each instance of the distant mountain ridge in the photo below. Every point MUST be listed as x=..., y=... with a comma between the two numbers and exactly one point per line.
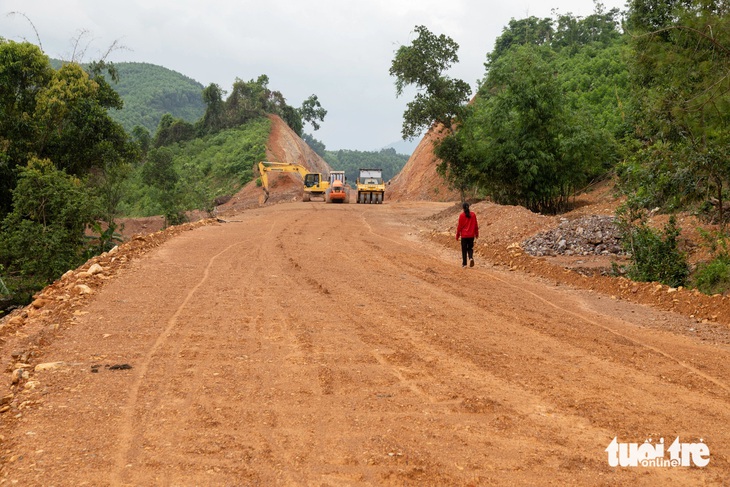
x=149, y=91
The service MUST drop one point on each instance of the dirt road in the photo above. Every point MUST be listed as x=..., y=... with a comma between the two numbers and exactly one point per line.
x=313, y=344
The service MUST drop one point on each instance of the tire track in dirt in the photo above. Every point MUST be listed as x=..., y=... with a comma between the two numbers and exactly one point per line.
x=404, y=350
x=582, y=317
x=316, y=354
x=579, y=338
x=127, y=428
x=337, y=348
x=199, y=358
x=335, y=377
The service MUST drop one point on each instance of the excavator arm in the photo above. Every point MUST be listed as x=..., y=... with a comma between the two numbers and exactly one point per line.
x=265, y=167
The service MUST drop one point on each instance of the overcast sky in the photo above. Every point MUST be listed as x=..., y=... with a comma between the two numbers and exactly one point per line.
x=337, y=49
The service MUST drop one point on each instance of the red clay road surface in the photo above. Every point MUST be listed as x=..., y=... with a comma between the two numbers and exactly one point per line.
x=330, y=345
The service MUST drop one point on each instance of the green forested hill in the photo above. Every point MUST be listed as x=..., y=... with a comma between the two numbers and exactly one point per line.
x=189, y=175
x=351, y=161
x=149, y=91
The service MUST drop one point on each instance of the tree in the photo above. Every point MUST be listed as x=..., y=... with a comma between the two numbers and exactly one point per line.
x=213, y=119
x=159, y=172
x=315, y=144
x=24, y=72
x=74, y=126
x=173, y=130
x=43, y=236
x=60, y=115
x=248, y=100
x=292, y=117
x=312, y=112
x=681, y=93
x=143, y=138
x=252, y=99
x=440, y=101
x=531, y=30
x=520, y=141
x=600, y=27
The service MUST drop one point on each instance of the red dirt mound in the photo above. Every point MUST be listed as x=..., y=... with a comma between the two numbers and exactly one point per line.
x=419, y=180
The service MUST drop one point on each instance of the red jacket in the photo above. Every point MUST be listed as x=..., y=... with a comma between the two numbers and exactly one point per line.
x=467, y=227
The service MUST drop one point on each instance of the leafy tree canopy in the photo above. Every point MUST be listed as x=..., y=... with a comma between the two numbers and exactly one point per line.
x=251, y=99
x=522, y=143
x=191, y=174
x=43, y=236
x=60, y=115
x=545, y=119
x=423, y=64
x=150, y=91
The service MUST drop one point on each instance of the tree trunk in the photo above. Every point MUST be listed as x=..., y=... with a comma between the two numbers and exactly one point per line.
x=721, y=211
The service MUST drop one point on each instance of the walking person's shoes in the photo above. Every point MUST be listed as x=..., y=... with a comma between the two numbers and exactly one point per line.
x=471, y=263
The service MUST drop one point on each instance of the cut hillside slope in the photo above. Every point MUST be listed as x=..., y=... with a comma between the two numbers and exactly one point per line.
x=284, y=145
x=419, y=180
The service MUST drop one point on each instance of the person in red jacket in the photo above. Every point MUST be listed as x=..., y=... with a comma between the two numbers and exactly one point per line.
x=468, y=231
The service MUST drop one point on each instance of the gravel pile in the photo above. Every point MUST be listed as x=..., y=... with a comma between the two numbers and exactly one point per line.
x=591, y=235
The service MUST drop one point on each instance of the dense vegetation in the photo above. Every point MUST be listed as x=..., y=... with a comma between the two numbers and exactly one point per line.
x=567, y=100
x=151, y=91
x=59, y=150
x=192, y=174
x=563, y=101
x=681, y=104
x=545, y=119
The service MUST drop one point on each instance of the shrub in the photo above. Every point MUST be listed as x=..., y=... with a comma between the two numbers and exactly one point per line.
x=655, y=255
x=43, y=236
x=713, y=277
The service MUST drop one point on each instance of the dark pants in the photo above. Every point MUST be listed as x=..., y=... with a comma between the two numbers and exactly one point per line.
x=467, y=249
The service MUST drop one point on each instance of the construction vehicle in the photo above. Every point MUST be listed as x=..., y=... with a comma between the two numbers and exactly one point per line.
x=339, y=191
x=314, y=184
x=370, y=186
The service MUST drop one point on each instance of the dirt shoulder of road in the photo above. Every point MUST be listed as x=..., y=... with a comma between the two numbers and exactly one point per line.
x=504, y=228
x=24, y=331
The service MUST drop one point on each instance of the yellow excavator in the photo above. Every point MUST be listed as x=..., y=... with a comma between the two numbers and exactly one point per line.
x=314, y=184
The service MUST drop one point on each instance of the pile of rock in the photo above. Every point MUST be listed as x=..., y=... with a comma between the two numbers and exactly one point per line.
x=591, y=235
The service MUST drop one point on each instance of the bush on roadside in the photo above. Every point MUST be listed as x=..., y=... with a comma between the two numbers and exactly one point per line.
x=654, y=255
x=44, y=235
x=713, y=277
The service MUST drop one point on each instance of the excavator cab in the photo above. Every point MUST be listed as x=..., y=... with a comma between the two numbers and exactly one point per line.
x=311, y=180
